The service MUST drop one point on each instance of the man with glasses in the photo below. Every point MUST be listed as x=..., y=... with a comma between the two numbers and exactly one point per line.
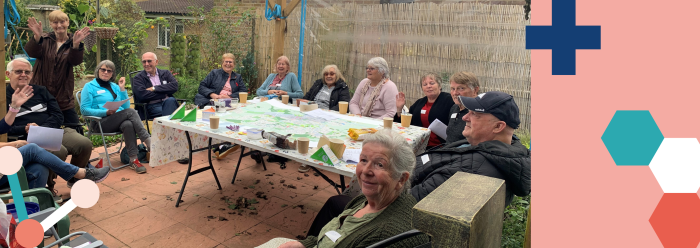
x=42, y=110
x=155, y=87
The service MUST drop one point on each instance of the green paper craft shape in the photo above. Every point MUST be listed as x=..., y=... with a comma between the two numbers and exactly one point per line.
x=326, y=155
x=179, y=114
x=191, y=116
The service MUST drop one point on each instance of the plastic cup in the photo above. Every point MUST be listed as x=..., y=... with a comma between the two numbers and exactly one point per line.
x=406, y=120
x=343, y=107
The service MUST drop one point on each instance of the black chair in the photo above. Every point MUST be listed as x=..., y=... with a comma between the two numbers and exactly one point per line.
x=399, y=237
x=142, y=108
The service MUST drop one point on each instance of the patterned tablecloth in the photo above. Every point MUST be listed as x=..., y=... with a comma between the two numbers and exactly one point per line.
x=169, y=141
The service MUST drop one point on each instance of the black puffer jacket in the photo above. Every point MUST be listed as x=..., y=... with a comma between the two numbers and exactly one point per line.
x=491, y=158
x=341, y=92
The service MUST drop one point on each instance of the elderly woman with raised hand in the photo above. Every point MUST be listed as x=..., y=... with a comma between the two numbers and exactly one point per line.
x=36, y=160
x=376, y=95
x=281, y=83
x=461, y=84
x=56, y=53
x=124, y=119
x=384, y=208
x=330, y=89
x=435, y=105
x=221, y=83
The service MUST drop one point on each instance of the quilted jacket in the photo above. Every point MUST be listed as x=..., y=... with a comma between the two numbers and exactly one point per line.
x=491, y=158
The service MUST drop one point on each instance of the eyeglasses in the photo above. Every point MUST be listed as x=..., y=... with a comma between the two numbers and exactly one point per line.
x=20, y=72
x=228, y=62
x=105, y=70
x=329, y=73
x=146, y=61
x=370, y=68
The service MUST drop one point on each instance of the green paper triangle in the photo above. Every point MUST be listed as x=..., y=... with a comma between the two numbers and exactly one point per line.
x=179, y=114
x=191, y=116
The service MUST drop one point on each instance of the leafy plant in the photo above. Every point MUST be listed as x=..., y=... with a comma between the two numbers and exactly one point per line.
x=193, y=54
x=178, y=46
x=514, y=222
x=189, y=85
x=247, y=69
x=79, y=12
x=221, y=32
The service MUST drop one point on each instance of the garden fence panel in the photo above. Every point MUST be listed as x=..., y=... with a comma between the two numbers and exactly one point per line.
x=415, y=38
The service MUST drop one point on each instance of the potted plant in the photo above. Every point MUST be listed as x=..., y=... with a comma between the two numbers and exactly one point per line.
x=81, y=20
x=105, y=30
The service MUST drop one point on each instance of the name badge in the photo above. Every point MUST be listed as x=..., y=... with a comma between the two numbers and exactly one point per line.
x=425, y=158
x=101, y=91
x=333, y=235
x=454, y=115
x=165, y=82
x=279, y=85
x=422, y=111
x=37, y=107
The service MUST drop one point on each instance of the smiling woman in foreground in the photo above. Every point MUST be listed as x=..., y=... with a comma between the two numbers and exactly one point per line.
x=384, y=208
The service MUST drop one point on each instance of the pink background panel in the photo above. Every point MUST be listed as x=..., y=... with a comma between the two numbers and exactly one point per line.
x=649, y=61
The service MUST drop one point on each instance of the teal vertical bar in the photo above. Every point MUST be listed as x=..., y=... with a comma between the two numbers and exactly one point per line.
x=17, y=197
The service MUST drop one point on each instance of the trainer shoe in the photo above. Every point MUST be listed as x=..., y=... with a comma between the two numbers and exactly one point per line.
x=138, y=167
x=225, y=150
x=97, y=175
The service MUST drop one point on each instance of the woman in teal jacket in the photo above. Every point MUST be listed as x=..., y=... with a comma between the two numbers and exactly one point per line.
x=124, y=119
x=281, y=83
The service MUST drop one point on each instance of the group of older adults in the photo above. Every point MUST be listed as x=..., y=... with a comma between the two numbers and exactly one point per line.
x=480, y=129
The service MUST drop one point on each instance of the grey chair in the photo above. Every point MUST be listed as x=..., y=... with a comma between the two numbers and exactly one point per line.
x=91, y=132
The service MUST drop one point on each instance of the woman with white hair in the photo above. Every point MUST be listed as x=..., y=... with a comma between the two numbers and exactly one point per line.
x=330, y=89
x=376, y=95
x=281, y=83
x=383, y=210
x=102, y=89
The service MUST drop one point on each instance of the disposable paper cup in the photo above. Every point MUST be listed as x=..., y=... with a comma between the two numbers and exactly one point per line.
x=388, y=122
x=303, y=145
x=406, y=120
x=243, y=96
x=338, y=147
x=285, y=99
x=214, y=122
x=343, y=107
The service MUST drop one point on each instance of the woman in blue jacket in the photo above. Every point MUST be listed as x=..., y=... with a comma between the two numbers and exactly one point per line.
x=125, y=119
x=281, y=83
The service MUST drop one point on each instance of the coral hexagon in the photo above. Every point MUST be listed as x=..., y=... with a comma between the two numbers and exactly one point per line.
x=675, y=220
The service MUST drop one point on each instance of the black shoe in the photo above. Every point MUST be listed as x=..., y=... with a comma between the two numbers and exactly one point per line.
x=184, y=160
x=257, y=156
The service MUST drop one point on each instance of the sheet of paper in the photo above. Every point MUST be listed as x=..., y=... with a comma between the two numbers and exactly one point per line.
x=352, y=155
x=47, y=138
x=277, y=104
x=115, y=105
x=318, y=113
x=439, y=128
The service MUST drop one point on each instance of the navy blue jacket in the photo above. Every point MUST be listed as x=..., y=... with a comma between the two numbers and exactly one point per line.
x=141, y=82
x=214, y=83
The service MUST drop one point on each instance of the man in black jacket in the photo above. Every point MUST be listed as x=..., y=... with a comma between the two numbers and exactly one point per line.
x=42, y=110
x=155, y=87
x=489, y=149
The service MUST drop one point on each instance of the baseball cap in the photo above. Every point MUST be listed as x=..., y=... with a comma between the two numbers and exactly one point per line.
x=499, y=104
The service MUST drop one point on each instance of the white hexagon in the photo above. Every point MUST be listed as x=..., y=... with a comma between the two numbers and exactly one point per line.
x=676, y=165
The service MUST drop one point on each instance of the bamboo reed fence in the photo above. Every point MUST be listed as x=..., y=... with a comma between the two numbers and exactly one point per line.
x=415, y=38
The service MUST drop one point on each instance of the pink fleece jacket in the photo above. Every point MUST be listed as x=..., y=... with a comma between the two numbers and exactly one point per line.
x=384, y=106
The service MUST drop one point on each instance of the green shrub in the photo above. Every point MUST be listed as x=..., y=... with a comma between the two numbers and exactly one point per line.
x=189, y=85
x=178, y=53
x=193, y=55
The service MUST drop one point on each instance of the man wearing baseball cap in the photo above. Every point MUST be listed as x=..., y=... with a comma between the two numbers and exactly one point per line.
x=490, y=149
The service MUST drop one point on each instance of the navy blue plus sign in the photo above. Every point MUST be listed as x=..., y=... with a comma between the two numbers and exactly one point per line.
x=563, y=37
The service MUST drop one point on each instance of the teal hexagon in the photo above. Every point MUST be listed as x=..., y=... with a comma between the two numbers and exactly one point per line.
x=632, y=137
